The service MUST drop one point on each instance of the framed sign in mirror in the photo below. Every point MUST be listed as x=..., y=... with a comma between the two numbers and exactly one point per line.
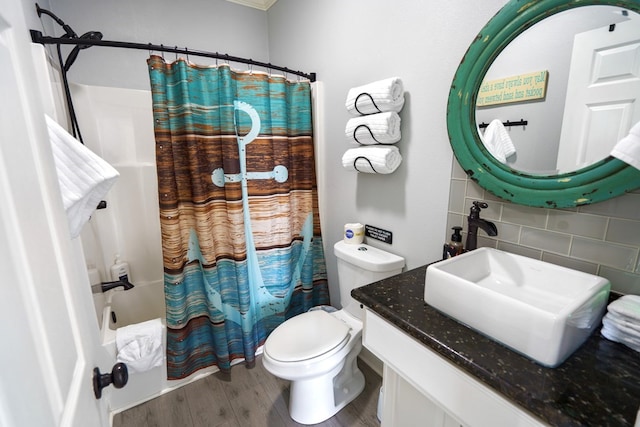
x=597, y=181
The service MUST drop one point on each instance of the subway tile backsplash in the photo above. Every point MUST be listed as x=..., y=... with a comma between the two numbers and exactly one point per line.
x=623, y=231
x=577, y=223
x=602, y=239
x=551, y=241
x=606, y=253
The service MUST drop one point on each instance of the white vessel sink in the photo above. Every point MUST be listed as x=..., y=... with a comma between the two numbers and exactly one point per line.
x=540, y=310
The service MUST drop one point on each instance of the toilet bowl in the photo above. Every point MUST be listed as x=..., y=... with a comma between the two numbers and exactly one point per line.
x=321, y=362
x=317, y=351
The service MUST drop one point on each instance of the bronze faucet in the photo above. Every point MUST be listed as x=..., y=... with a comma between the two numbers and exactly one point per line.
x=126, y=285
x=476, y=222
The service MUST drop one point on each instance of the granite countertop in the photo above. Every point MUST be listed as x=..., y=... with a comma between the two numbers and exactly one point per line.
x=599, y=385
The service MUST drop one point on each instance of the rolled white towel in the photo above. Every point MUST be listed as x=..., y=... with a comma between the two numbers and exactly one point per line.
x=376, y=97
x=372, y=159
x=140, y=345
x=628, y=148
x=381, y=128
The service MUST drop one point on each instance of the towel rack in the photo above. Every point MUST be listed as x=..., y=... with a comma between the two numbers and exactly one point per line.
x=363, y=126
x=521, y=122
x=355, y=103
x=368, y=161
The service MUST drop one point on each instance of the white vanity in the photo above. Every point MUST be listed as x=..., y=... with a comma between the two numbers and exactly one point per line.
x=438, y=372
x=420, y=387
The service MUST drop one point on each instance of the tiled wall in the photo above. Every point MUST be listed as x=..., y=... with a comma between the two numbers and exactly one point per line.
x=602, y=239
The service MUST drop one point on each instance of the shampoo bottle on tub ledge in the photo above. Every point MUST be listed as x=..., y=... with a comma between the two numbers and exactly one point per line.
x=120, y=270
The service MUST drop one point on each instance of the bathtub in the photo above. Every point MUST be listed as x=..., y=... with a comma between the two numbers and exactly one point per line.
x=117, y=308
x=121, y=308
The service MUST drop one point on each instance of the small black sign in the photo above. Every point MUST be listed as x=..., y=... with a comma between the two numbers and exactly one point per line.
x=378, y=233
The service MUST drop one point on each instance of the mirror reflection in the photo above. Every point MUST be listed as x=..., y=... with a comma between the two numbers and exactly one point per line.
x=569, y=83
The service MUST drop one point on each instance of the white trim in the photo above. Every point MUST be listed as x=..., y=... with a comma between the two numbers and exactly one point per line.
x=258, y=4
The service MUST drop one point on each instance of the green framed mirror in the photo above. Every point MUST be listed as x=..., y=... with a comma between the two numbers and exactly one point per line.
x=599, y=181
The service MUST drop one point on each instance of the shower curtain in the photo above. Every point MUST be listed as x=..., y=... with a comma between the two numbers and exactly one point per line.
x=242, y=249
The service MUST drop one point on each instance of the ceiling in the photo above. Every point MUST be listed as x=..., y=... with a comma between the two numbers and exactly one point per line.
x=258, y=4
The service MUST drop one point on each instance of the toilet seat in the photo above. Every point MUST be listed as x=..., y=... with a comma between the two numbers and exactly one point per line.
x=307, y=336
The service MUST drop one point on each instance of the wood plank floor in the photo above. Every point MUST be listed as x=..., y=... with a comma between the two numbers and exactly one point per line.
x=253, y=398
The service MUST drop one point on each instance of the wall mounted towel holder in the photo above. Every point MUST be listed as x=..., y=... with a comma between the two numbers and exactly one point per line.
x=355, y=103
x=521, y=122
x=355, y=161
x=370, y=133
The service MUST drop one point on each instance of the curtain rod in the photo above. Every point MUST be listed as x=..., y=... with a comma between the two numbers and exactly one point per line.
x=38, y=37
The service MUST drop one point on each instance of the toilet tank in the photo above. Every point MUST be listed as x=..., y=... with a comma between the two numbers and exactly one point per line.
x=359, y=265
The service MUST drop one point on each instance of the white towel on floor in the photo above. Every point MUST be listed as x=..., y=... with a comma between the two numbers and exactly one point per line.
x=381, y=128
x=372, y=159
x=376, y=97
x=628, y=148
x=497, y=141
x=83, y=176
x=140, y=345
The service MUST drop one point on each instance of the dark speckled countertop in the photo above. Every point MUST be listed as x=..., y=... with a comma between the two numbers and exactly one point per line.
x=599, y=385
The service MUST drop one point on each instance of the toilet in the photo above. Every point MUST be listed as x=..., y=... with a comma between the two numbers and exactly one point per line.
x=317, y=351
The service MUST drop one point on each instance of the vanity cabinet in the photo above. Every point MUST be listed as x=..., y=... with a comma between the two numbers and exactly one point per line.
x=440, y=372
x=404, y=405
x=420, y=387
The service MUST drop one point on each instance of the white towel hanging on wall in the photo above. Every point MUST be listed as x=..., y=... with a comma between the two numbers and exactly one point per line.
x=496, y=139
x=83, y=176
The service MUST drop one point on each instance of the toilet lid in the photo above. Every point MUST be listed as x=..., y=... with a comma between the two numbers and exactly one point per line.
x=306, y=336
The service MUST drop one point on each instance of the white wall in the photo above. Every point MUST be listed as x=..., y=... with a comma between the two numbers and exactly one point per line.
x=46, y=24
x=212, y=25
x=118, y=124
x=349, y=43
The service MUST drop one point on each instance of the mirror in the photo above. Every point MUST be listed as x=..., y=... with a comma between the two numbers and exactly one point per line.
x=574, y=34
x=518, y=179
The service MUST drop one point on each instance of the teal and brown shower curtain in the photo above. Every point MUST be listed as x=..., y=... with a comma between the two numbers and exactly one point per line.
x=241, y=242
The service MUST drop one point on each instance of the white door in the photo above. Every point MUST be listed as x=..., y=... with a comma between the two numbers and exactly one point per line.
x=603, y=91
x=49, y=332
